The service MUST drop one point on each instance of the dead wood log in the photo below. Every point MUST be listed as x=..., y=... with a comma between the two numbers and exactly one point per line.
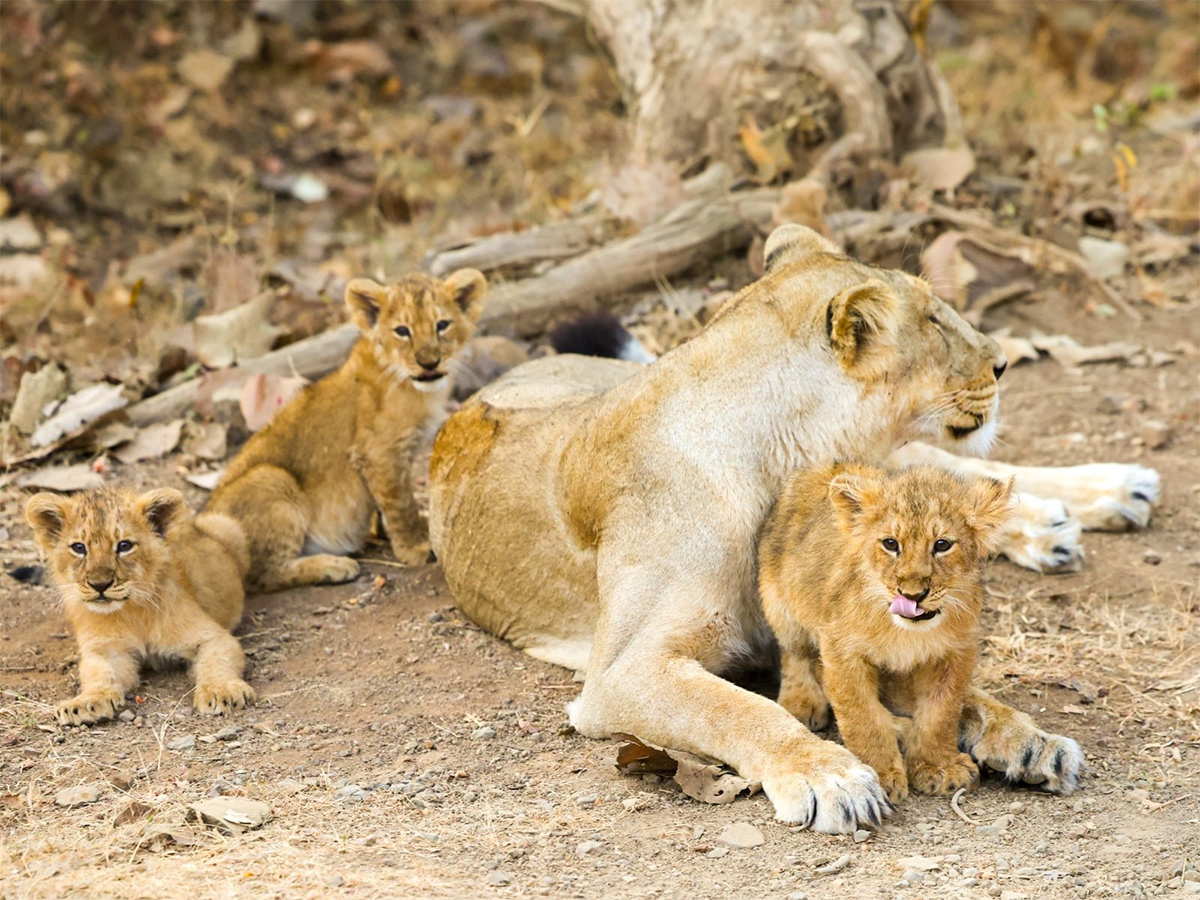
x=515, y=251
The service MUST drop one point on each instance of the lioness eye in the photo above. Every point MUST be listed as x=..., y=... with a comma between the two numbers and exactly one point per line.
x=941, y=545
x=891, y=545
x=78, y=549
x=124, y=546
x=442, y=325
x=402, y=331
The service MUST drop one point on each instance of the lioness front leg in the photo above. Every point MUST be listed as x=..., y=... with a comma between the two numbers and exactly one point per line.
x=106, y=674
x=388, y=474
x=1008, y=741
x=935, y=764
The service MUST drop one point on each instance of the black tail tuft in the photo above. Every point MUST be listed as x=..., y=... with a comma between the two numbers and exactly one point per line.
x=598, y=334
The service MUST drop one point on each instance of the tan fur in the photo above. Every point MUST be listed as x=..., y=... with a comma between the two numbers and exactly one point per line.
x=827, y=580
x=140, y=582
x=343, y=448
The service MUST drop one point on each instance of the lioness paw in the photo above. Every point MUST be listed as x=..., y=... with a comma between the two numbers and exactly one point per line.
x=85, y=709
x=1115, y=497
x=1022, y=752
x=1041, y=536
x=835, y=799
x=219, y=699
x=416, y=555
x=932, y=778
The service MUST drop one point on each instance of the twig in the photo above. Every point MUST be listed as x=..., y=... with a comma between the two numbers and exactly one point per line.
x=958, y=811
x=385, y=562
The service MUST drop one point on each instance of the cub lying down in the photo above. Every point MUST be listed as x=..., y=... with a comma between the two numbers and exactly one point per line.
x=140, y=583
x=310, y=482
x=872, y=583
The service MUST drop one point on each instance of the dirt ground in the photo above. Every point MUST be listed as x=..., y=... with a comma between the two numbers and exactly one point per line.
x=406, y=753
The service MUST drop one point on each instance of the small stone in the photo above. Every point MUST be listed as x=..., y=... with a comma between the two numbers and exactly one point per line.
x=589, y=848
x=184, y=742
x=499, y=878
x=127, y=715
x=353, y=793
x=435, y=617
x=741, y=836
x=486, y=733
x=228, y=734
x=861, y=835
x=1013, y=895
x=1151, y=558
x=232, y=814
x=122, y=781
x=1016, y=807
x=717, y=852
x=995, y=890
x=334, y=881
x=633, y=804
x=1155, y=435
x=587, y=800
x=80, y=795
x=913, y=876
x=1191, y=887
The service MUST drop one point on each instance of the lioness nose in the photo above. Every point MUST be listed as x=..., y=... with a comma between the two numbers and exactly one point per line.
x=917, y=598
x=998, y=369
x=100, y=586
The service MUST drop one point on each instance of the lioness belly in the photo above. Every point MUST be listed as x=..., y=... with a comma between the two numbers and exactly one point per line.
x=495, y=520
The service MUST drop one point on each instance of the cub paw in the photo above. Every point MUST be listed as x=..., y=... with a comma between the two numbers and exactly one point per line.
x=1119, y=497
x=813, y=710
x=339, y=569
x=834, y=794
x=931, y=778
x=894, y=783
x=416, y=555
x=1041, y=536
x=1022, y=752
x=88, y=708
x=219, y=699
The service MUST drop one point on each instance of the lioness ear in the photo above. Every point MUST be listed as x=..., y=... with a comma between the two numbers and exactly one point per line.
x=364, y=297
x=850, y=495
x=861, y=319
x=791, y=242
x=468, y=287
x=991, y=507
x=45, y=512
x=161, y=508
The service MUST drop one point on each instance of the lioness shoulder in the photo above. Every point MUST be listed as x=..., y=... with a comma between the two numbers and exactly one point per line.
x=139, y=581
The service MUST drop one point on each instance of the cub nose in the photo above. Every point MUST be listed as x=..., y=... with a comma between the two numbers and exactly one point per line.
x=999, y=368
x=100, y=586
x=429, y=364
x=916, y=598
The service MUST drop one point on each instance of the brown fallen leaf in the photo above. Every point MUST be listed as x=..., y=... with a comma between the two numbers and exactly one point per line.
x=242, y=333
x=205, y=69
x=636, y=758
x=712, y=783
x=974, y=275
x=205, y=440
x=64, y=479
x=132, y=813
x=206, y=481
x=151, y=442
x=36, y=391
x=941, y=168
x=264, y=395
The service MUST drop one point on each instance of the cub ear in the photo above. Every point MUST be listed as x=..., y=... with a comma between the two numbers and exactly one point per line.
x=990, y=507
x=861, y=320
x=364, y=298
x=161, y=508
x=851, y=494
x=46, y=512
x=788, y=243
x=468, y=287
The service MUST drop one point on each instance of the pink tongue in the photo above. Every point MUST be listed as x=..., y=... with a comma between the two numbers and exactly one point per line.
x=902, y=606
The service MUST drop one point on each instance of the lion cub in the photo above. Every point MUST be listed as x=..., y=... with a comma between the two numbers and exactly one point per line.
x=310, y=482
x=140, y=582
x=872, y=582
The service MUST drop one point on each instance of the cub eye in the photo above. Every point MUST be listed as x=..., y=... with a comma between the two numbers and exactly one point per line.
x=124, y=546
x=402, y=331
x=442, y=325
x=941, y=545
x=78, y=549
x=891, y=545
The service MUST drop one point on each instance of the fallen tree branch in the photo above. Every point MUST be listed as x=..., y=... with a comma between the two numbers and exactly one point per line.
x=517, y=250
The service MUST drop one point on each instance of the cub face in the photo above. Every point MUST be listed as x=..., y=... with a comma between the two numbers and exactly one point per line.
x=105, y=548
x=419, y=322
x=923, y=533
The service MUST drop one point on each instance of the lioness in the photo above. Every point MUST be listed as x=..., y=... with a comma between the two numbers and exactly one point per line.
x=343, y=448
x=603, y=515
x=875, y=579
x=142, y=583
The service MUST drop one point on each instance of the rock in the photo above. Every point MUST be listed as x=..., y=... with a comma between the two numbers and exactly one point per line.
x=232, y=814
x=486, y=733
x=353, y=793
x=1151, y=558
x=228, y=734
x=861, y=835
x=717, y=852
x=1107, y=258
x=589, y=848
x=1155, y=435
x=183, y=742
x=79, y=795
x=913, y=876
x=334, y=881
x=920, y=863
x=587, y=800
x=499, y=878
x=741, y=836
x=127, y=715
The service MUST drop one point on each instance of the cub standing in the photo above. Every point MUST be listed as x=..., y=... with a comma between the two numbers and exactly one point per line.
x=311, y=480
x=872, y=583
x=139, y=582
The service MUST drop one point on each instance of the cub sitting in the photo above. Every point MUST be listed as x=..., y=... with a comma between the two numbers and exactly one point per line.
x=310, y=482
x=872, y=583
x=139, y=582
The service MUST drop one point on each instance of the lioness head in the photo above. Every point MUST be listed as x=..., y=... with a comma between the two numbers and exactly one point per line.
x=418, y=323
x=105, y=547
x=922, y=533
x=888, y=330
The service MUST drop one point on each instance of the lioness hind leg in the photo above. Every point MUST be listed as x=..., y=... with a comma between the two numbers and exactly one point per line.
x=1009, y=742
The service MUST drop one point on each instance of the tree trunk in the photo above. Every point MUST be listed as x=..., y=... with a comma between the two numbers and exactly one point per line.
x=695, y=72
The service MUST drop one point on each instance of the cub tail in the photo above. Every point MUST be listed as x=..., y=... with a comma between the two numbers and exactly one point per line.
x=229, y=533
x=599, y=334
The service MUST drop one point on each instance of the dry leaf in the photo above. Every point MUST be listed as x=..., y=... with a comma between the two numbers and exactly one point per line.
x=161, y=834
x=941, y=168
x=63, y=479
x=151, y=442
x=636, y=758
x=206, y=481
x=974, y=276
x=132, y=813
x=79, y=410
x=111, y=434
x=264, y=395
x=205, y=440
x=36, y=391
x=712, y=783
x=205, y=69
x=242, y=333
x=19, y=234
x=766, y=149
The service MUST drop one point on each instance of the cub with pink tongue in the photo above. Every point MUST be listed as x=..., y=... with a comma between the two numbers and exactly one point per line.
x=903, y=606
